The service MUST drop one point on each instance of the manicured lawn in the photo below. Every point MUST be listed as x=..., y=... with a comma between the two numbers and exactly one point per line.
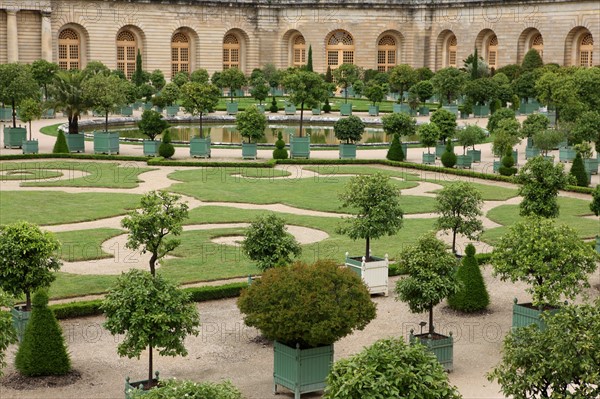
x=56, y=207
x=84, y=245
x=98, y=174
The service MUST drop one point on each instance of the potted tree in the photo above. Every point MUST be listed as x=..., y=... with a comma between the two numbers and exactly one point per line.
x=479, y=135
x=401, y=125
x=260, y=91
x=375, y=92
x=345, y=75
x=297, y=308
x=197, y=99
x=67, y=96
x=446, y=122
x=468, y=137
x=431, y=278
x=423, y=91
x=532, y=125
x=151, y=125
x=30, y=110
x=480, y=92
x=27, y=263
x=550, y=258
x=507, y=136
x=170, y=93
x=546, y=140
x=586, y=130
x=44, y=72
x=251, y=124
x=16, y=84
x=448, y=84
x=429, y=134
x=233, y=79
x=376, y=203
x=401, y=78
x=350, y=129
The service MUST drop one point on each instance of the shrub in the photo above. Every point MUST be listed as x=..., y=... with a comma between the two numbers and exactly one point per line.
x=60, y=146
x=496, y=105
x=578, y=171
x=446, y=121
x=274, y=108
x=389, y=369
x=8, y=335
x=396, y=153
x=280, y=152
x=472, y=296
x=449, y=157
x=311, y=305
x=189, y=389
x=326, y=106
x=508, y=163
x=349, y=129
x=166, y=149
x=499, y=115
x=43, y=350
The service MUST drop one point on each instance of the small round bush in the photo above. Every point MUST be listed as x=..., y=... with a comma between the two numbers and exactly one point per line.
x=449, y=157
x=326, y=106
x=309, y=305
x=280, y=151
x=188, y=389
x=60, y=146
x=273, y=108
x=396, y=153
x=578, y=170
x=166, y=149
x=472, y=295
x=43, y=350
x=508, y=163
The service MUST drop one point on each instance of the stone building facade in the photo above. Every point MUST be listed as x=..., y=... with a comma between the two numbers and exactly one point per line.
x=175, y=35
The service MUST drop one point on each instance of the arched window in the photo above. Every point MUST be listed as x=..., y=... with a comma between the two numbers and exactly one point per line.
x=126, y=53
x=452, y=48
x=492, y=52
x=299, y=51
x=180, y=53
x=586, y=50
x=231, y=52
x=537, y=43
x=386, y=53
x=340, y=49
x=68, y=50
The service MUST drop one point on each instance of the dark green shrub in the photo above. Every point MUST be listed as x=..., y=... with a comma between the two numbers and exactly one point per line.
x=273, y=108
x=495, y=105
x=280, y=152
x=508, y=163
x=349, y=129
x=578, y=171
x=396, y=153
x=166, y=149
x=472, y=295
x=499, y=115
x=531, y=61
x=326, y=106
x=43, y=350
x=189, y=389
x=60, y=146
x=209, y=293
x=449, y=157
x=389, y=368
x=76, y=309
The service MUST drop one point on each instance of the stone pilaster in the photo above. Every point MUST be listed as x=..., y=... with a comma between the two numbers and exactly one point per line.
x=46, y=36
x=12, y=36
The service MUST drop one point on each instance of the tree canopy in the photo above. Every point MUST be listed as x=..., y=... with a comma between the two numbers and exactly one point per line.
x=350, y=129
x=251, y=123
x=199, y=98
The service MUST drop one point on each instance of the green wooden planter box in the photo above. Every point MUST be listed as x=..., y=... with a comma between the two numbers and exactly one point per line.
x=30, y=147
x=172, y=110
x=137, y=385
x=5, y=114
x=346, y=109
x=261, y=108
x=373, y=110
x=528, y=108
x=451, y=108
x=299, y=147
x=276, y=92
x=428, y=159
x=159, y=109
x=14, y=136
x=552, y=117
x=151, y=147
x=137, y=105
x=496, y=166
x=75, y=142
x=591, y=166
x=524, y=316
x=249, y=150
x=516, y=156
x=464, y=115
x=475, y=155
x=49, y=114
x=400, y=108
x=405, y=149
x=127, y=111
x=439, y=150
x=566, y=154
x=424, y=111
x=106, y=143
x=239, y=93
x=549, y=158
x=464, y=161
x=316, y=111
x=232, y=108
x=289, y=109
x=200, y=147
x=20, y=320
x=481, y=110
x=147, y=106
x=347, y=151
x=443, y=348
x=529, y=141
x=531, y=152
x=301, y=370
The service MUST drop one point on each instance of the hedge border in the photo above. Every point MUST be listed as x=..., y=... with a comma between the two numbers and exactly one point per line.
x=98, y=157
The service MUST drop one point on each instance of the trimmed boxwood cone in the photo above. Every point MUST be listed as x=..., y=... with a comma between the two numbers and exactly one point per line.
x=396, y=153
x=472, y=295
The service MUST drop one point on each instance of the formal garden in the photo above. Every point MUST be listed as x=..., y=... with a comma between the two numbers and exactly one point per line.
x=454, y=258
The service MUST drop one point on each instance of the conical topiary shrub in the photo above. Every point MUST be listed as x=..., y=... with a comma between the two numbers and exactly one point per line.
x=43, y=350
x=508, y=164
x=280, y=152
x=449, y=157
x=274, y=108
x=472, y=295
x=578, y=170
x=166, y=149
x=396, y=153
x=60, y=146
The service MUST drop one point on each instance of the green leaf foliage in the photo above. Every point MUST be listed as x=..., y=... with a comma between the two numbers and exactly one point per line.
x=429, y=134
x=445, y=121
x=531, y=61
x=60, y=145
x=66, y=92
x=561, y=361
x=166, y=150
x=43, y=350
x=396, y=153
x=268, y=243
x=449, y=157
x=311, y=305
x=199, y=98
x=547, y=139
x=375, y=91
x=578, y=171
x=550, y=258
x=349, y=129
x=152, y=124
x=540, y=182
x=496, y=117
x=27, y=260
x=534, y=124
x=345, y=75
x=469, y=136
x=448, y=83
x=399, y=123
x=389, y=369
x=508, y=162
x=8, y=335
x=188, y=389
x=280, y=151
x=595, y=204
x=251, y=123
x=274, y=108
x=160, y=216
x=472, y=295
x=401, y=78
x=233, y=79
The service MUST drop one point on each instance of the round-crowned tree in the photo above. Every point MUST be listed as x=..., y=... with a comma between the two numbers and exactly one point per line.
x=501, y=114
x=349, y=129
x=429, y=134
x=446, y=122
x=399, y=123
x=152, y=124
x=251, y=124
x=309, y=305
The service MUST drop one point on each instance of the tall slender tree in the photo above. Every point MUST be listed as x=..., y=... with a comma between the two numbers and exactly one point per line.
x=309, y=62
x=475, y=68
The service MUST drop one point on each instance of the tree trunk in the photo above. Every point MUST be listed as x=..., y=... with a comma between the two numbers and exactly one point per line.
x=201, y=132
x=346, y=94
x=153, y=264
x=14, y=113
x=454, y=242
x=301, y=116
x=431, y=328
x=150, y=364
x=27, y=300
x=106, y=122
x=367, y=249
x=29, y=130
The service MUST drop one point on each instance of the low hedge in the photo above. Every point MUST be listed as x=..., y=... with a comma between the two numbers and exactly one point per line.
x=159, y=161
x=483, y=259
x=100, y=157
x=77, y=309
